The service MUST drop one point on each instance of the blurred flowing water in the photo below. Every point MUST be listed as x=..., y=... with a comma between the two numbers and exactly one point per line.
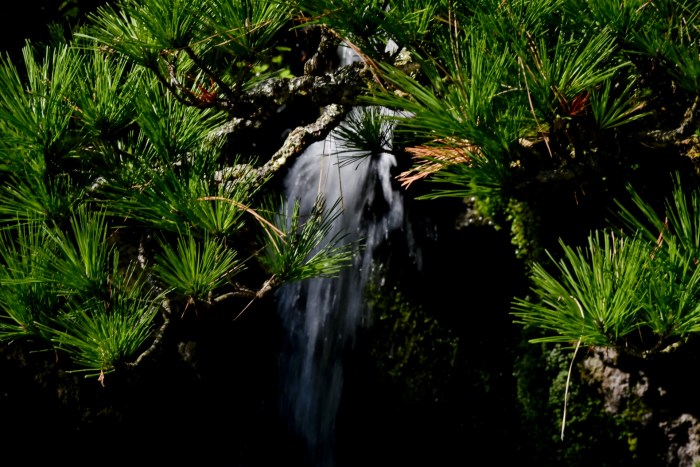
x=321, y=316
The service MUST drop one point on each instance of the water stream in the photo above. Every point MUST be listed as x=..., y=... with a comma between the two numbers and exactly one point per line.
x=321, y=316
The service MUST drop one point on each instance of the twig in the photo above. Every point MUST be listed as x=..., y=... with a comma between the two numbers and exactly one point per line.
x=532, y=109
x=266, y=287
x=316, y=64
x=246, y=209
x=158, y=336
x=571, y=367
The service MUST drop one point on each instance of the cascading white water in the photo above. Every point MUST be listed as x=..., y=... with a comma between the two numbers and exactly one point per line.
x=321, y=315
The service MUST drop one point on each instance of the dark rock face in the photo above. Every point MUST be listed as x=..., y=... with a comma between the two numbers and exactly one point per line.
x=655, y=395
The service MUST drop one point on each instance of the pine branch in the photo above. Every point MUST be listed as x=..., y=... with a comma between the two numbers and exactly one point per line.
x=157, y=339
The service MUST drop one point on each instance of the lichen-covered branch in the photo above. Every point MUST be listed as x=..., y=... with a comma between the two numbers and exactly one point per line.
x=318, y=62
x=343, y=86
x=660, y=138
x=302, y=137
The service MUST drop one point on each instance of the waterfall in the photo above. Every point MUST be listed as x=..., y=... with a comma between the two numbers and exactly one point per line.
x=321, y=315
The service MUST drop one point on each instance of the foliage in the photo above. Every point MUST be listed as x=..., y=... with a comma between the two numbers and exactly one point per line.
x=194, y=268
x=637, y=292
x=364, y=133
x=102, y=336
x=515, y=95
x=124, y=197
x=178, y=41
x=68, y=287
x=297, y=248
